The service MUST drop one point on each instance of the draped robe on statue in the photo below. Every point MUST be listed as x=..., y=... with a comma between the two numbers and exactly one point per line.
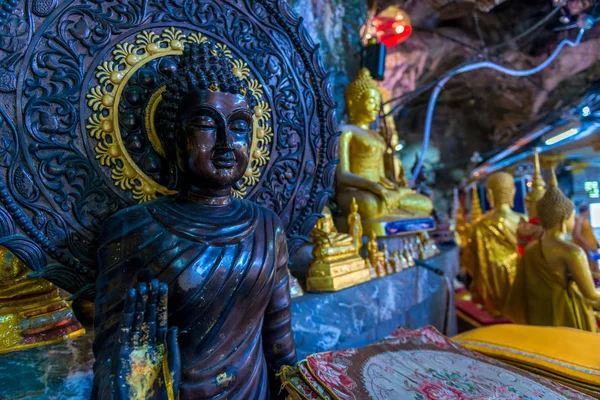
x=226, y=268
x=494, y=254
x=543, y=294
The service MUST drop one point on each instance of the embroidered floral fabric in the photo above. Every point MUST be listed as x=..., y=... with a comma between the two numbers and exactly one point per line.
x=420, y=365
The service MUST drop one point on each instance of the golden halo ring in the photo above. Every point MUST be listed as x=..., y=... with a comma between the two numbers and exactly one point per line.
x=104, y=99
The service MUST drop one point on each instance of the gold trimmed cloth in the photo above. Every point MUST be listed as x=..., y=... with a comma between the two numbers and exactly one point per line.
x=565, y=355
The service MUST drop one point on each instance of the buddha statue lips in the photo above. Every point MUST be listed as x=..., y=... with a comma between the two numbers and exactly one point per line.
x=361, y=173
x=223, y=260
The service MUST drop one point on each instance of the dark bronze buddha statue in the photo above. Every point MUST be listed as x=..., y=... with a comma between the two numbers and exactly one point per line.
x=220, y=262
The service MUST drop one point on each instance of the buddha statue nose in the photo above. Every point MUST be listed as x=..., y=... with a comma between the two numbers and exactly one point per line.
x=224, y=139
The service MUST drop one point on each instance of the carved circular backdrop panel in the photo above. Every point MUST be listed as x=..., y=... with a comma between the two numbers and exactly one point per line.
x=80, y=83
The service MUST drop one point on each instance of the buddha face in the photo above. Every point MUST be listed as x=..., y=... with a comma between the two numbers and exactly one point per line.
x=570, y=223
x=366, y=109
x=214, y=138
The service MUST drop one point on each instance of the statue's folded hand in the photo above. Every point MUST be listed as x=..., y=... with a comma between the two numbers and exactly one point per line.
x=146, y=362
x=388, y=184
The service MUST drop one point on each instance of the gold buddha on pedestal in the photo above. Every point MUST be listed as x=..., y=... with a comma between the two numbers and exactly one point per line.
x=32, y=312
x=336, y=263
x=361, y=173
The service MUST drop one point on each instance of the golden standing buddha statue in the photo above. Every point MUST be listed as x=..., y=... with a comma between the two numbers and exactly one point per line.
x=463, y=231
x=466, y=257
x=336, y=264
x=355, y=226
x=32, y=312
x=388, y=130
x=554, y=285
x=387, y=208
x=494, y=245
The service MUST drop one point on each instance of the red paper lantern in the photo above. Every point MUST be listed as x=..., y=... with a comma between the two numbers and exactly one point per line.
x=392, y=26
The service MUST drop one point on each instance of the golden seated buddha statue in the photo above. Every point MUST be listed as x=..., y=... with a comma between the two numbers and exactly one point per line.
x=554, y=284
x=32, y=312
x=336, y=263
x=387, y=208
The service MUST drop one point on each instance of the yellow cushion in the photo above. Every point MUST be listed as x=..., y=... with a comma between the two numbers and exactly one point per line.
x=566, y=352
x=591, y=390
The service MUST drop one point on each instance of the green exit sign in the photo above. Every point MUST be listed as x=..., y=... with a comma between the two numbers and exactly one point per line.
x=592, y=188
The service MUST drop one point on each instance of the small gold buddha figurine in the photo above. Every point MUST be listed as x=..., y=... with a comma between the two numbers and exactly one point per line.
x=32, y=312
x=376, y=258
x=355, y=226
x=463, y=231
x=494, y=245
x=398, y=261
x=433, y=246
x=403, y=260
x=389, y=263
x=420, y=246
x=554, y=285
x=407, y=252
x=336, y=264
x=427, y=246
x=414, y=247
x=361, y=173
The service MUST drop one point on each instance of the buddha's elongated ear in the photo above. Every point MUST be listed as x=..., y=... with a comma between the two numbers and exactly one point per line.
x=490, y=196
x=238, y=185
x=173, y=183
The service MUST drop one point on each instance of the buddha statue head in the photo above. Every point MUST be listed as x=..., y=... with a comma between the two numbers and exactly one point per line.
x=325, y=223
x=363, y=99
x=556, y=210
x=500, y=188
x=205, y=124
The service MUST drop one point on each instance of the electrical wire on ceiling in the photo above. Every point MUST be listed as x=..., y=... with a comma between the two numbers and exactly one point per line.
x=590, y=21
x=469, y=65
x=482, y=54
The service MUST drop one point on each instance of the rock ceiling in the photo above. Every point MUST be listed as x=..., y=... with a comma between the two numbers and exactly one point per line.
x=484, y=110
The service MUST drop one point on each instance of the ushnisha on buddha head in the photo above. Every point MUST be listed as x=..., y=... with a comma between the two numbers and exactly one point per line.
x=205, y=123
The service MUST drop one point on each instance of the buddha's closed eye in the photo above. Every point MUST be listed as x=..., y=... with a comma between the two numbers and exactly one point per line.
x=239, y=126
x=203, y=122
